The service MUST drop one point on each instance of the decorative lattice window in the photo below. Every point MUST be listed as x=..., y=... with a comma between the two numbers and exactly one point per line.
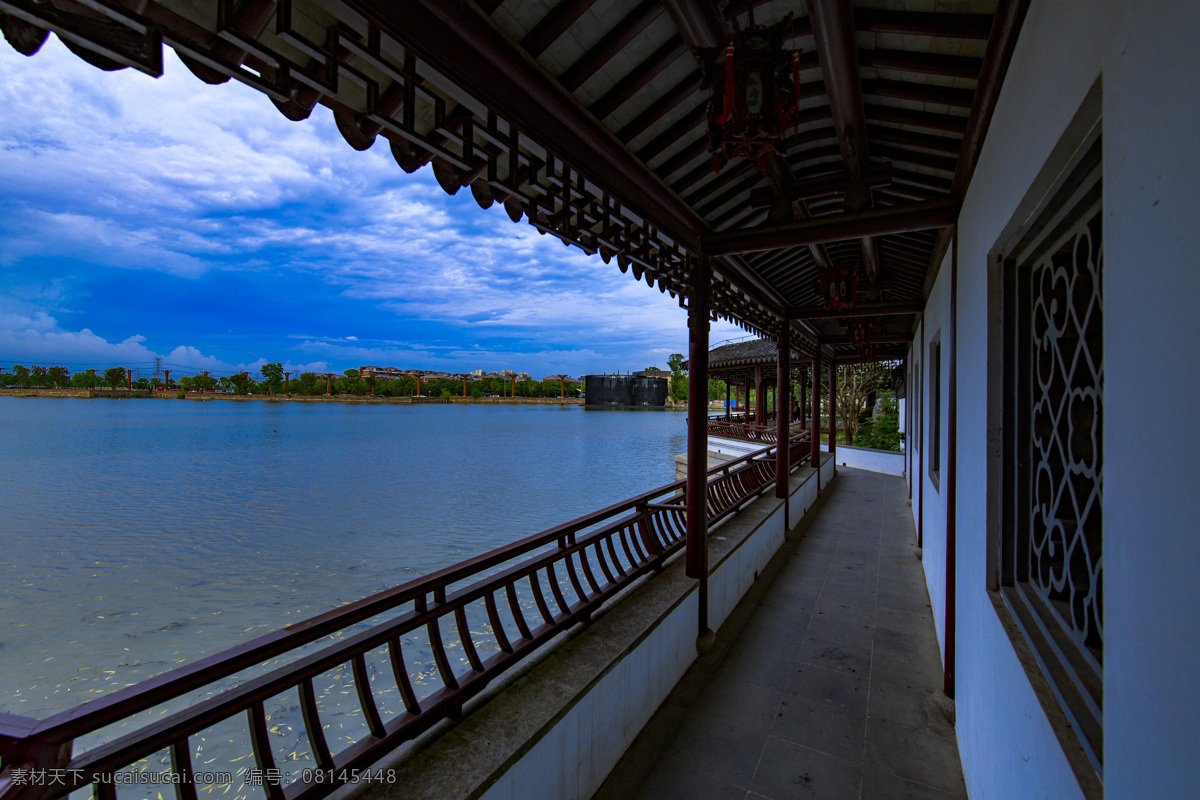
x=1051, y=570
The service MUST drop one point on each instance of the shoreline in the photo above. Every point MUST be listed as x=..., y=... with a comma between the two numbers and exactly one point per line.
x=125, y=394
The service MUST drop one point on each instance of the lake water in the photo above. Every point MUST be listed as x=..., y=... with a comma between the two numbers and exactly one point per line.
x=138, y=535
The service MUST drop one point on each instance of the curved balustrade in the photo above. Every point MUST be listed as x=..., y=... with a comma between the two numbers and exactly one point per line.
x=744, y=431
x=480, y=617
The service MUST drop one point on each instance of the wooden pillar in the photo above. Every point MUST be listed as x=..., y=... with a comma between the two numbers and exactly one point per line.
x=727, y=402
x=328, y=384
x=696, y=558
x=922, y=371
x=804, y=398
x=783, y=401
x=833, y=409
x=760, y=399
x=129, y=379
x=908, y=426
x=287, y=384
x=952, y=477
x=816, y=409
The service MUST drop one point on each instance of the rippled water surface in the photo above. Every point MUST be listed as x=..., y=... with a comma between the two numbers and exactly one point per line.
x=137, y=535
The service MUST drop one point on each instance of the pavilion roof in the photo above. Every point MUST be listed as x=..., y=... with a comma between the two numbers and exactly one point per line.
x=588, y=119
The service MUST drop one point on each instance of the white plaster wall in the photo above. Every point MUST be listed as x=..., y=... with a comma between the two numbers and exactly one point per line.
x=883, y=461
x=1148, y=63
x=1151, y=330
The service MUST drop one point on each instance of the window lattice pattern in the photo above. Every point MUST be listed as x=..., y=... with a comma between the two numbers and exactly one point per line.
x=1051, y=565
x=1064, y=565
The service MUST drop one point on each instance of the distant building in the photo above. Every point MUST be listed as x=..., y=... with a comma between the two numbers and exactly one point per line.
x=475, y=373
x=523, y=376
x=380, y=373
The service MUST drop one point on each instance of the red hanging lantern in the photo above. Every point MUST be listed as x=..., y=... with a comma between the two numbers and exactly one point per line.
x=755, y=87
x=839, y=285
x=862, y=341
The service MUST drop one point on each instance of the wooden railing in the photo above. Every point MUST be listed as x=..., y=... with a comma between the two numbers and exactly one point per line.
x=477, y=618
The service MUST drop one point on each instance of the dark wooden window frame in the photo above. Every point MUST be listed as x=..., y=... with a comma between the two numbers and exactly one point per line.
x=1062, y=658
x=934, y=355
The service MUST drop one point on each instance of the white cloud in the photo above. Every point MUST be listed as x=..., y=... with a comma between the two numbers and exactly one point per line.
x=175, y=176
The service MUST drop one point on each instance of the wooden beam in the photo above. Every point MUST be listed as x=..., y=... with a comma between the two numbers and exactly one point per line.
x=833, y=183
x=698, y=22
x=610, y=44
x=837, y=51
x=638, y=77
x=882, y=338
x=925, y=63
x=662, y=105
x=553, y=25
x=926, y=141
x=898, y=219
x=918, y=23
x=920, y=93
x=916, y=119
x=877, y=310
x=1010, y=14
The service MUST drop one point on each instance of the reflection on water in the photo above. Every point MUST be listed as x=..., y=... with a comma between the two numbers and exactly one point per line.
x=139, y=535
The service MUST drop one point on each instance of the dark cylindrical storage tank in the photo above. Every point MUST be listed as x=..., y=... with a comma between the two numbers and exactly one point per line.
x=607, y=390
x=625, y=390
x=649, y=391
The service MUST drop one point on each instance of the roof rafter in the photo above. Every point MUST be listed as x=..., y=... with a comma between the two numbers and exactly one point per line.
x=917, y=216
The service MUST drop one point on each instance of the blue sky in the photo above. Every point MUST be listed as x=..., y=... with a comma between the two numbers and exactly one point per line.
x=143, y=217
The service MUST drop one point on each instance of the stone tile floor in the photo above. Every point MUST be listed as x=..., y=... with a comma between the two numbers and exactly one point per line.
x=824, y=681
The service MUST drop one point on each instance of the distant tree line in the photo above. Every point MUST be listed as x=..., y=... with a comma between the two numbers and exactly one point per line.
x=272, y=380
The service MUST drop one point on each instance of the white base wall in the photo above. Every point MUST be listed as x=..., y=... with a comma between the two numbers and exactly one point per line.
x=884, y=461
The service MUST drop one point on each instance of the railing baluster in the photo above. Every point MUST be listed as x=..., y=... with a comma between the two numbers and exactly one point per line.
x=497, y=624
x=556, y=590
x=586, y=564
x=181, y=765
x=366, y=698
x=569, y=561
x=603, y=563
x=107, y=790
x=403, y=682
x=612, y=550
x=464, y=636
x=626, y=534
x=540, y=599
x=514, y=605
x=439, y=654
x=260, y=742
x=312, y=723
